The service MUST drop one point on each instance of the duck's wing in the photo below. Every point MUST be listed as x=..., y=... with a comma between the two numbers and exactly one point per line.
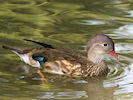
x=61, y=62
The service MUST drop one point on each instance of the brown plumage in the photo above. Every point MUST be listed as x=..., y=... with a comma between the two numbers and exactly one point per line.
x=64, y=62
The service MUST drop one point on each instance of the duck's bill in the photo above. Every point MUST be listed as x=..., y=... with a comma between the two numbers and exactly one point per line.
x=113, y=54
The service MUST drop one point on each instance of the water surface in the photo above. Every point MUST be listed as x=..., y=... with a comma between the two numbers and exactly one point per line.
x=68, y=24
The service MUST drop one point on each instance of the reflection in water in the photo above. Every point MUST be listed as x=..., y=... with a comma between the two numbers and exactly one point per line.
x=65, y=95
x=126, y=83
x=92, y=89
x=65, y=23
x=124, y=47
x=96, y=91
x=68, y=88
x=130, y=13
x=94, y=22
x=128, y=29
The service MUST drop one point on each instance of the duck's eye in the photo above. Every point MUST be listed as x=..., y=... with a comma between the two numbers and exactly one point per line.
x=105, y=44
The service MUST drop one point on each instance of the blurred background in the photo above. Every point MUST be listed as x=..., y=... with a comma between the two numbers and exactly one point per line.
x=68, y=24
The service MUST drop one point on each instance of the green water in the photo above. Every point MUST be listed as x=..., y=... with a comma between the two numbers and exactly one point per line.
x=68, y=24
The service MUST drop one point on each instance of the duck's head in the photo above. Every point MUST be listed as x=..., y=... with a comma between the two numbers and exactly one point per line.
x=98, y=46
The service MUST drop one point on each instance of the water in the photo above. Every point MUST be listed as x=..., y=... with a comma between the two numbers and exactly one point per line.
x=65, y=23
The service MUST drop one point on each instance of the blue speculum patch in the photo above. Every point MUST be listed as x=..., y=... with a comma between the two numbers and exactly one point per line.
x=40, y=58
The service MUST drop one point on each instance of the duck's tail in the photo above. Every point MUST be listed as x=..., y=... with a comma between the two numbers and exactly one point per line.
x=22, y=53
x=16, y=50
x=42, y=44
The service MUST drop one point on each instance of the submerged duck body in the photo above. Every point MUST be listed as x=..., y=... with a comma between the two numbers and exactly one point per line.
x=57, y=61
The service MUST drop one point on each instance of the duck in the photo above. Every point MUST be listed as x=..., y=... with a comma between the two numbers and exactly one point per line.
x=49, y=59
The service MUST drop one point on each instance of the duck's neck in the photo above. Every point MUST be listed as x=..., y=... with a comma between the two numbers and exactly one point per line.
x=99, y=67
x=95, y=58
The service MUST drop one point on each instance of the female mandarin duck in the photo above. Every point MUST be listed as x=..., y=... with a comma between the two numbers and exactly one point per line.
x=53, y=60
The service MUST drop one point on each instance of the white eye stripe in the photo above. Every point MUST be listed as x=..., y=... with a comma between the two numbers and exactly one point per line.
x=103, y=44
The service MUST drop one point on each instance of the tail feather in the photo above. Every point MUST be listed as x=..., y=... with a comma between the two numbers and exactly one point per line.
x=42, y=44
x=13, y=49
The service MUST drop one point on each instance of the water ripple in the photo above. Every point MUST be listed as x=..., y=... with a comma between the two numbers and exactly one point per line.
x=66, y=95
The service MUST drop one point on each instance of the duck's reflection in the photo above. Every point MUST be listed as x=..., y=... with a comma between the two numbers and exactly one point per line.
x=72, y=88
x=96, y=91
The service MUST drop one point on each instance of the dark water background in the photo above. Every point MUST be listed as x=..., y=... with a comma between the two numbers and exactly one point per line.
x=66, y=23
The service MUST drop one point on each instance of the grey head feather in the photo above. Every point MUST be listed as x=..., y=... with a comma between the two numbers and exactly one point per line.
x=100, y=38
